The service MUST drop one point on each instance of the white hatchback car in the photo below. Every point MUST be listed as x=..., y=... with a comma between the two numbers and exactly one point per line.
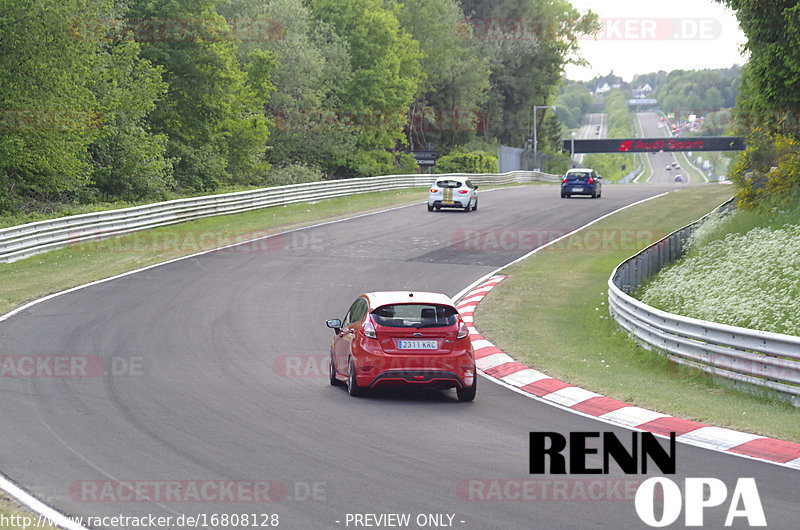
x=453, y=192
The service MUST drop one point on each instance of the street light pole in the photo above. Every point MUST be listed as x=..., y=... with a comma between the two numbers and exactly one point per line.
x=572, y=147
x=535, y=136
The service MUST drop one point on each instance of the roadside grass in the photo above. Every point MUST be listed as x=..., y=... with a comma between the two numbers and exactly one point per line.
x=551, y=313
x=647, y=171
x=694, y=174
x=16, y=516
x=742, y=221
x=84, y=262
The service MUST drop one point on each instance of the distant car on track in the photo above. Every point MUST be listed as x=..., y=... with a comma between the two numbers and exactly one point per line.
x=669, y=168
x=678, y=178
x=402, y=338
x=581, y=181
x=453, y=192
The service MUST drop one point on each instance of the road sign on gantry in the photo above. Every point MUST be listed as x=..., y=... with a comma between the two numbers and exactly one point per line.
x=651, y=145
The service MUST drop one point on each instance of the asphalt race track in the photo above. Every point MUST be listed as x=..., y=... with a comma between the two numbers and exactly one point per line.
x=200, y=392
x=660, y=160
x=589, y=131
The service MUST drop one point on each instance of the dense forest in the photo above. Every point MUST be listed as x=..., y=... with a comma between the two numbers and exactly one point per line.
x=142, y=99
x=695, y=91
x=767, y=110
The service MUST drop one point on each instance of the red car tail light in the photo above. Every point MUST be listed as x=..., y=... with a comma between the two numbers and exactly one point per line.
x=462, y=331
x=368, y=330
x=434, y=190
x=564, y=181
x=463, y=191
x=590, y=181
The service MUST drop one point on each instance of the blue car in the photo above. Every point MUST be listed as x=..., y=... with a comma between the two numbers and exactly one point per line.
x=583, y=181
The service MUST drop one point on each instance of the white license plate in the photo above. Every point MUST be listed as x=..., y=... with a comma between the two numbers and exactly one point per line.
x=448, y=202
x=417, y=345
x=577, y=189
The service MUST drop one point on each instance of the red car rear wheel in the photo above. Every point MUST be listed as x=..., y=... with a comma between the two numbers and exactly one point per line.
x=467, y=393
x=352, y=383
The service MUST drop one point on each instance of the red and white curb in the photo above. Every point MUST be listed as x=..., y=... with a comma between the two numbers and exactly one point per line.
x=495, y=364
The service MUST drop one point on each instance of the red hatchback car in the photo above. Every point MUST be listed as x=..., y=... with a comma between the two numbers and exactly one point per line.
x=403, y=338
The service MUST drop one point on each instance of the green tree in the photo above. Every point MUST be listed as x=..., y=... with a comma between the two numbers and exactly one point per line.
x=128, y=161
x=771, y=79
x=767, y=174
x=528, y=43
x=313, y=61
x=699, y=91
x=713, y=98
x=385, y=76
x=574, y=101
x=474, y=162
x=213, y=112
x=448, y=107
x=49, y=116
x=654, y=79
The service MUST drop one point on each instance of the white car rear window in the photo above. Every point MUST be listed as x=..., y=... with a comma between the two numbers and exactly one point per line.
x=449, y=184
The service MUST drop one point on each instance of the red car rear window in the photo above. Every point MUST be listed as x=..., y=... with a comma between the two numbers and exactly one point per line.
x=415, y=315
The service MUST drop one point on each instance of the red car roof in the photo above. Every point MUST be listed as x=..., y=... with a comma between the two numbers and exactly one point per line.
x=381, y=298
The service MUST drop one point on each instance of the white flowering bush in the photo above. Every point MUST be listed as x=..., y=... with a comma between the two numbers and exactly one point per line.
x=749, y=279
x=713, y=225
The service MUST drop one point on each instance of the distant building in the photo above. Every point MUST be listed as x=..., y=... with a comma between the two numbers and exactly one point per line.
x=642, y=91
x=602, y=89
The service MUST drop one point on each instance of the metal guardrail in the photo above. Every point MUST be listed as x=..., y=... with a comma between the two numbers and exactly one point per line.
x=22, y=241
x=760, y=358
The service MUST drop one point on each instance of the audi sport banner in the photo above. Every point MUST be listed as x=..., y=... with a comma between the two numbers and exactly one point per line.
x=649, y=145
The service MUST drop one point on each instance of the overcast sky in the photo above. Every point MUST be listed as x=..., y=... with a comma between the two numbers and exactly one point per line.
x=645, y=36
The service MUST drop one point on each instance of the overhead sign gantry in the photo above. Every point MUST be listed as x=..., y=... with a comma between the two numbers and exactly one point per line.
x=654, y=145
